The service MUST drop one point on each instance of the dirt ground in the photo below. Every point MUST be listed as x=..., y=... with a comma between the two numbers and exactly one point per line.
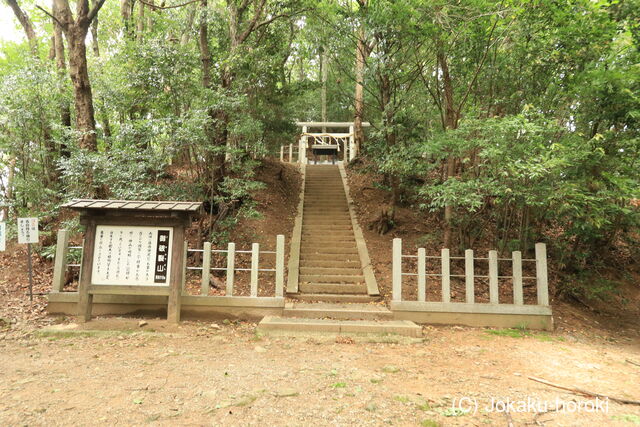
x=113, y=372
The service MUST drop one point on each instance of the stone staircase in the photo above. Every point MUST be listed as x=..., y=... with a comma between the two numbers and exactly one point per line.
x=335, y=288
x=330, y=266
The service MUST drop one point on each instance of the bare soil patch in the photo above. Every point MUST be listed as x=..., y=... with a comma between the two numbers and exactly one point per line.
x=224, y=374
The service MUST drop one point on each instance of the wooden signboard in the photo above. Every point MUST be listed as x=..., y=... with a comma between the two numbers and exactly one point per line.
x=132, y=255
x=133, y=248
x=27, y=230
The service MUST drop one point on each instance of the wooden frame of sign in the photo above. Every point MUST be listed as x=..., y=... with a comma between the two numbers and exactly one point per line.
x=135, y=248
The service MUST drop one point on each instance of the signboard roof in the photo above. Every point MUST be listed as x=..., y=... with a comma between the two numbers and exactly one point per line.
x=131, y=205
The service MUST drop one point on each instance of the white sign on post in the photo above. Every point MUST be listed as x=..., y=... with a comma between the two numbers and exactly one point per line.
x=132, y=255
x=27, y=230
x=3, y=236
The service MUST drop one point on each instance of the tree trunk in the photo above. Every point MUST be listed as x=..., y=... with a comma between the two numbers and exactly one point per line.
x=61, y=66
x=9, y=190
x=191, y=13
x=140, y=26
x=361, y=54
x=25, y=21
x=85, y=116
x=125, y=13
x=323, y=90
x=451, y=122
x=94, y=34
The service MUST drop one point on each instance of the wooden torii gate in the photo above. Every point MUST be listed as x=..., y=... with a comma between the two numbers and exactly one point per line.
x=341, y=141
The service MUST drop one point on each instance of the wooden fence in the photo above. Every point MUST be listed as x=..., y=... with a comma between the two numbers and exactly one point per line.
x=230, y=268
x=290, y=153
x=63, y=249
x=444, y=272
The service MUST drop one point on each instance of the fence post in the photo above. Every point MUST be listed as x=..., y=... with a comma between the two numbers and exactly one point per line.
x=468, y=276
x=206, y=268
x=397, y=270
x=541, y=274
x=255, y=255
x=422, y=274
x=81, y=261
x=280, y=265
x=446, y=275
x=282, y=153
x=185, y=254
x=494, y=296
x=60, y=264
x=231, y=266
x=290, y=153
x=516, y=259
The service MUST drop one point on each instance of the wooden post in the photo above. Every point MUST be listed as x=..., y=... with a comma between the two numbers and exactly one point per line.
x=422, y=274
x=397, y=270
x=85, y=298
x=280, y=265
x=206, y=269
x=177, y=275
x=185, y=255
x=352, y=144
x=541, y=274
x=255, y=255
x=446, y=275
x=282, y=153
x=81, y=262
x=468, y=276
x=516, y=259
x=60, y=264
x=494, y=296
x=231, y=266
x=304, y=142
x=290, y=153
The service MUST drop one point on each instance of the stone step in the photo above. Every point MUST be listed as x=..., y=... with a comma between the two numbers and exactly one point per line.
x=329, y=257
x=328, y=227
x=275, y=324
x=327, y=240
x=331, y=278
x=329, y=251
x=332, y=288
x=322, y=247
x=337, y=311
x=326, y=221
x=331, y=270
x=319, y=263
x=340, y=298
x=314, y=243
x=346, y=228
x=322, y=217
x=324, y=210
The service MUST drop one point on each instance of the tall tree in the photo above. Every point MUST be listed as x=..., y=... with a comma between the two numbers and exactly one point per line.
x=75, y=30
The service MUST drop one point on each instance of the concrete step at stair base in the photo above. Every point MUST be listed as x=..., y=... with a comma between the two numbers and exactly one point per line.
x=331, y=278
x=337, y=311
x=332, y=288
x=275, y=324
x=334, y=297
